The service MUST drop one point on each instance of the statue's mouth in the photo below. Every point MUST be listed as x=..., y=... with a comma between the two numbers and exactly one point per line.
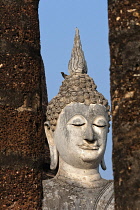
x=89, y=147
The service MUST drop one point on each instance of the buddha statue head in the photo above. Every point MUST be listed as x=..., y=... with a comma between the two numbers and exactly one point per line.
x=77, y=118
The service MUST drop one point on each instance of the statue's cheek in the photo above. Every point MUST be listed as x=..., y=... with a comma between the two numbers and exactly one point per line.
x=73, y=131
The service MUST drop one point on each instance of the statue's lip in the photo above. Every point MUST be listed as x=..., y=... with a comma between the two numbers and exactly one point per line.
x=88, y=147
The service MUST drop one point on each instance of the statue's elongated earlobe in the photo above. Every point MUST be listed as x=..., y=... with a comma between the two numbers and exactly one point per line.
x=103, y=165
x=52, y=146
x=54, y=157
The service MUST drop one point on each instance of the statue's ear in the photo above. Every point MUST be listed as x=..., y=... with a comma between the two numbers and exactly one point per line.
x=52, y=146
x=103, y=165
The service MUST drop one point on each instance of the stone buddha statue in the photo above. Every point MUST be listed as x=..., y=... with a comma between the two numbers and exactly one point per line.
x=76, y=129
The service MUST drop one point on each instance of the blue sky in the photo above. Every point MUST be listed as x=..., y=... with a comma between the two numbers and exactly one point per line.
x=58, y=20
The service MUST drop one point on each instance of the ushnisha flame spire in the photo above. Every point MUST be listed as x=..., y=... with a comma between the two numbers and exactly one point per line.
x=77, y=63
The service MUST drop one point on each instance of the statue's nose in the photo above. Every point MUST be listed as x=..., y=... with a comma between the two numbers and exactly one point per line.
x=89, y=134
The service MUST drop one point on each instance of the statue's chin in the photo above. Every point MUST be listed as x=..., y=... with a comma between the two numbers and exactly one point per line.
x=90, y=156
x=86, y=159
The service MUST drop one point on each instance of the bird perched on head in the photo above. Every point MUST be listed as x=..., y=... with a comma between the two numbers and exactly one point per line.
x=64, y=75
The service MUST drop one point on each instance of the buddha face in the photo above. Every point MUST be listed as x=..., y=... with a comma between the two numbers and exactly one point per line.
x=80, y=135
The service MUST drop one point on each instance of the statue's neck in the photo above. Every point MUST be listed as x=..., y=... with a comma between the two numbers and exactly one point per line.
x=87, y=178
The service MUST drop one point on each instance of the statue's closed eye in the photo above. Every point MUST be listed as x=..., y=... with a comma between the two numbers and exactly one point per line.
x=78, y=124
x=100, y=123
x=77, y=121
x=101, y=126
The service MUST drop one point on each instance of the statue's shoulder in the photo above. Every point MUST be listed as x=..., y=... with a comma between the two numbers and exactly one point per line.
x=105, y=199
x=49, y=184
x=56, y=195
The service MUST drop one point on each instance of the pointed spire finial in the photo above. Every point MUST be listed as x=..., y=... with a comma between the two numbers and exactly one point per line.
x=77, y=31
x=77, y=63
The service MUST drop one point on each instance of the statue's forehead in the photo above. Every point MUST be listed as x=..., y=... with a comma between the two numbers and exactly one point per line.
x=86, y=111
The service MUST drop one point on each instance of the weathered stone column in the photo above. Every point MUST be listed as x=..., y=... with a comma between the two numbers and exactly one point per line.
x=124, y=37
x=23, y=100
